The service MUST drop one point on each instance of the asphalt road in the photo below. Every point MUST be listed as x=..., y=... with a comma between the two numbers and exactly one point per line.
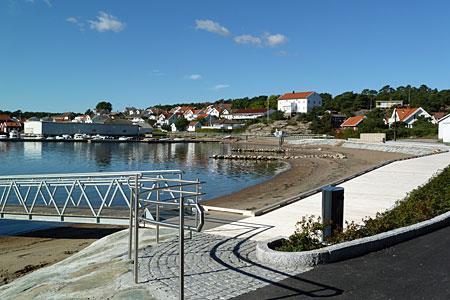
x=416, y=269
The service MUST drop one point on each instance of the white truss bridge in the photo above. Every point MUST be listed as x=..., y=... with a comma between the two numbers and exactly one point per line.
x=102, y=198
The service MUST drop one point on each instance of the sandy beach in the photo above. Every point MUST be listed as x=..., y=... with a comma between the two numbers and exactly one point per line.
x=27, y=252
x=23, y=253
x=303, y=175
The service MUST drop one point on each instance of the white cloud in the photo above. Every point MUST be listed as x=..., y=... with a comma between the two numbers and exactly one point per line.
x=211, y=26
x=248, y=39
x=273, y=40
x=106, y=22
x=195, y=76
x=47, y=2
x=76, y=21
x=220, y=86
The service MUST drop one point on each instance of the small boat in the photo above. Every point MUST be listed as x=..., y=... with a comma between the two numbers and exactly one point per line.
x=3, y=137
x=14, y=135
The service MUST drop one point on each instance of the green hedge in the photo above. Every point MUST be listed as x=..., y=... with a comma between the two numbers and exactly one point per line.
x=423, y=203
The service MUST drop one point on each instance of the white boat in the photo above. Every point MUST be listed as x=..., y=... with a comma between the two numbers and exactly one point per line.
x=79, y=137
x=14, y=135
x=50, y=138
x=66, y=136
x=59, y=137
x=124, y=138
x=3, y=137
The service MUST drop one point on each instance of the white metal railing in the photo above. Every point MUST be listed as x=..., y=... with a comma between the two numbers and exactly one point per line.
x=175, y=195
x=75, y=197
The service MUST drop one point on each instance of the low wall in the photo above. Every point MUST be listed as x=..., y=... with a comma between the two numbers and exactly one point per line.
x=346, y=250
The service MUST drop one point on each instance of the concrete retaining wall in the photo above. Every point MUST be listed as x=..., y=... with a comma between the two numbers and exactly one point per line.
x=346, y=250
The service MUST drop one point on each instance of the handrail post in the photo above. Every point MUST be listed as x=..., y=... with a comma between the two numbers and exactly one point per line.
x=130, y=231
x=136, y=227
x=181, y=244
x=157, y=211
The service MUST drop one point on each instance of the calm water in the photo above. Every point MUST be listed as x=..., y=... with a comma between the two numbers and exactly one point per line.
x=221, y=177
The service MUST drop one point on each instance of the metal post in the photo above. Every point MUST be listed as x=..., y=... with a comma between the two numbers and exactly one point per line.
x=130, y=237
x=332, y=210
x=136, y=227
x=157, y=212
x=181, y=244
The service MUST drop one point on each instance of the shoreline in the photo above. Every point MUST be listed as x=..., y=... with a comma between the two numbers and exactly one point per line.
x=26, y=252
x=301, y=176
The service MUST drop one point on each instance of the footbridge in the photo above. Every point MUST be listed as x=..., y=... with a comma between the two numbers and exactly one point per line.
x=100, y=198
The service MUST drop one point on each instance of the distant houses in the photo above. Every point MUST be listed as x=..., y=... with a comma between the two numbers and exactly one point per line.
x=298, y=102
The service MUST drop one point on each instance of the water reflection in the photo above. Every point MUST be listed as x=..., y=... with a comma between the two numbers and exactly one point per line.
x=221, y=176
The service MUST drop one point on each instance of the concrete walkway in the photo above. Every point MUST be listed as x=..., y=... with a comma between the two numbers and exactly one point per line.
x=365, y=195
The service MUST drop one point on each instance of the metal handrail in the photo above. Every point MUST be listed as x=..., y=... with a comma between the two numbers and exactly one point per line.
x=140, y=205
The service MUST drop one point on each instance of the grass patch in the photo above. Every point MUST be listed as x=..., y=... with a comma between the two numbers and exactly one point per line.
x=423, y=203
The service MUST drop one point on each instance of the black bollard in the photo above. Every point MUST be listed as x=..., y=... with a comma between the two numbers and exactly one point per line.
x=332, y=209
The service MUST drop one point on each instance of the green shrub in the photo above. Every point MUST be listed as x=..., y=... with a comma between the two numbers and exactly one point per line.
x=423, y=203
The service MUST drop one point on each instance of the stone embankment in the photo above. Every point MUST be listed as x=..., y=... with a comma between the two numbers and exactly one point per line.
x=269, y=157
x=273, y=150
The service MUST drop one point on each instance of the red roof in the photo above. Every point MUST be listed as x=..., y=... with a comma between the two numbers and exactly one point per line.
x=293, y=95
x=4, y=117
x=249, y=111
x=439, y=115
x=404, y=113
x=352, y=121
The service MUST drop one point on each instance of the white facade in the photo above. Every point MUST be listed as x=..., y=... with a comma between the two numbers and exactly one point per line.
x=444, y=129
x=299, y=105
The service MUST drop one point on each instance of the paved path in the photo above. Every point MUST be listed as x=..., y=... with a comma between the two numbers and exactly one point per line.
x=215, y=268
x=365, y=195
x=416, y=269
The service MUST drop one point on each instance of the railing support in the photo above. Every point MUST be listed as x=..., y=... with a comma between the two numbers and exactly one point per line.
x=136, y=228
x=130, y=230
x=181, y=246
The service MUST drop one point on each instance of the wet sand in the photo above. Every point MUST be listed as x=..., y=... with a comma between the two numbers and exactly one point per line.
x=30, y=251
x=303, y=175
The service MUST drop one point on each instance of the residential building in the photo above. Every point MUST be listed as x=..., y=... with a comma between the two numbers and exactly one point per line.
x=408, y=115
x=248, y=114
x=444, y=129
x=337, y=120
x=438, y=115
x=82, y=119
x=298, y=102
x=352, y=122
x=65, y=117
x=193, y=126
x=8, y=124
x=224, y=124
x=385, y=104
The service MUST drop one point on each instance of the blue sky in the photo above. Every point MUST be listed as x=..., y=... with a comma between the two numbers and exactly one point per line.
x=60, y=55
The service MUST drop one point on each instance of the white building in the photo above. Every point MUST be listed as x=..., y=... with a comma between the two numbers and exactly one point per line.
x=193, y=126
x=444, y=129
x=301, y=102
x=42, y=128
x=385, y=104
x=408, y=116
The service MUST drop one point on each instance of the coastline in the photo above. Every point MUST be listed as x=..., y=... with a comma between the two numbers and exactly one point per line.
x=302, y=175
x=26, y=252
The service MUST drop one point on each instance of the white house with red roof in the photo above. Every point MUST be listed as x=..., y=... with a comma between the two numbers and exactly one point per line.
x=409, y=115
x=352, y=122
x=298, y=102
